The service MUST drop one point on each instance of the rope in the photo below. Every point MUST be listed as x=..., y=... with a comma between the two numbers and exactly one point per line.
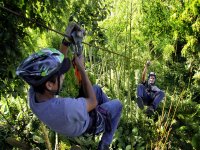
x=44, y=26
x=34, y=21
x=106, y=50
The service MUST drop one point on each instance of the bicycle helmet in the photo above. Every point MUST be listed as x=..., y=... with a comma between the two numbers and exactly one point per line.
x=40, y=66
x=152, y=74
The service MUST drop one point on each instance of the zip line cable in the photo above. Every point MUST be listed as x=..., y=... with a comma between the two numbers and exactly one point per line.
x=44, y=26
x=106, y=50
x=34, y=21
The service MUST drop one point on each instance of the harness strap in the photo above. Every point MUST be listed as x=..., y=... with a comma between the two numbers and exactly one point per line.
x=100, y=121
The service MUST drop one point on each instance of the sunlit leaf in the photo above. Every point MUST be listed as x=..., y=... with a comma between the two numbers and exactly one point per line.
x=38, y=139
x=128, y=147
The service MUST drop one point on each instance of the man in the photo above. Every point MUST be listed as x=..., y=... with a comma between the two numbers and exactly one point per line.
x=93, y=114
x=148, y=93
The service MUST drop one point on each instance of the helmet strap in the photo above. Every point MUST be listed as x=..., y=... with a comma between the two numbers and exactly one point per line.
x=54, y=92
x=58, y=90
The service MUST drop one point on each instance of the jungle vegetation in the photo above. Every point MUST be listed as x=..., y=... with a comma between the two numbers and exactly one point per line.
x=120, y=37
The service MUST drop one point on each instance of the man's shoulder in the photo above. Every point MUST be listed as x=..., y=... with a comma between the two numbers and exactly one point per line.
x=144, y=82
x=70, y=103
x=68, y=100
x=155, y=88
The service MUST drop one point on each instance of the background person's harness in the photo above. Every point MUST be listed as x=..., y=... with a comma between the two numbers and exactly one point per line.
x=151, y=90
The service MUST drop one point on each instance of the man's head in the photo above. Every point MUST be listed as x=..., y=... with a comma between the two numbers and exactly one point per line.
x=45, y=66
x=152, y=78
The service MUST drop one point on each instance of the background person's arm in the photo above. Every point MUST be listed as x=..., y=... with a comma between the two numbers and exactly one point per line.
x=145, y=71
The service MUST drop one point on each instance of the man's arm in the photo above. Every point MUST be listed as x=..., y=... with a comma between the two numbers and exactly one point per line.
x=64, y=49
x=145, y=71
x=87, y=86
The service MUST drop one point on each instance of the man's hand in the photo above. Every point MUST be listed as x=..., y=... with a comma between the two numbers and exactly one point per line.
x=148, y=63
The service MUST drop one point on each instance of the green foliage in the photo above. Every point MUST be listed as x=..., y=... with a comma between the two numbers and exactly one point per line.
x=18, y=35
x=88, y=14
x=165, y=32
x=17, y=121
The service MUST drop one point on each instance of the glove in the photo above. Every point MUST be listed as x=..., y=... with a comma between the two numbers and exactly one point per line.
x=148, y=63
x=70, y=29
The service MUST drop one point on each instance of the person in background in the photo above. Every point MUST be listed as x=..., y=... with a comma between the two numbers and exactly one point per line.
x=148, y=93
x=94, y=113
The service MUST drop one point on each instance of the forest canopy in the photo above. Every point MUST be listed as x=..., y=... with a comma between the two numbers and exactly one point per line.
x=120, y=37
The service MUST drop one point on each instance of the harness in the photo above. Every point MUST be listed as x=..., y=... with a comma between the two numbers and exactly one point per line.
x=100, y=119
x=151, y=89
x=77, y=49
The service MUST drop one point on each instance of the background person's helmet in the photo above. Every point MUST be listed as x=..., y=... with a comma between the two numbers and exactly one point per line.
x=40, y=66
x=152, y=74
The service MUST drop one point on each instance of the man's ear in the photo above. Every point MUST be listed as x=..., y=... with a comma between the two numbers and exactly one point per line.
x=49, y=85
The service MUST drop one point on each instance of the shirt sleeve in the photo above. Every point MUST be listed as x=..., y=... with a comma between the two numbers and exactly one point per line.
x=155, y=89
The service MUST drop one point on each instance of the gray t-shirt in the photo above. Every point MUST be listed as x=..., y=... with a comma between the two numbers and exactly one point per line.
x=67, y=116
